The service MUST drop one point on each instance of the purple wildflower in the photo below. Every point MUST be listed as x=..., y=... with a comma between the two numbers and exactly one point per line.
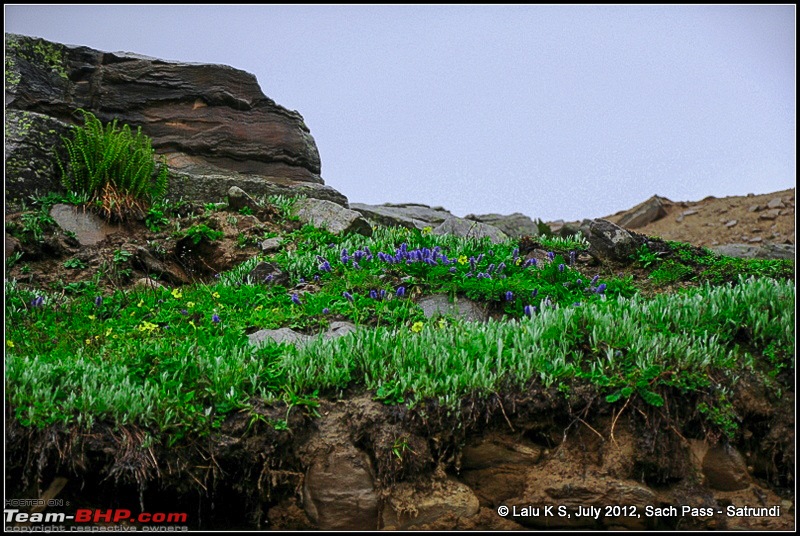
x=184, y=312
x=98, y=301
x=296, y=299
x=453, y=270
x=326, y=311
x=601, y=289
x=373, y=294
x=382, y=294
x=572, y=257
x=551, y=255
x=560, y=267
x=534, y=292
x=401, y=291
x=215, y=318
x=528, y=310
x=509, y=296
x=347, y=295
x=594, y=279
x=38, y=301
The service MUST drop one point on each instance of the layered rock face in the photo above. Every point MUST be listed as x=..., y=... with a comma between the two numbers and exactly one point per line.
x=212, y=122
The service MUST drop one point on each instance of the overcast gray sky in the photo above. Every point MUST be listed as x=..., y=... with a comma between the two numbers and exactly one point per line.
x=552, y=111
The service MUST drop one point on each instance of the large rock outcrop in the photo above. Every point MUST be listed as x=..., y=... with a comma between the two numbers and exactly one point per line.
x=212, y=122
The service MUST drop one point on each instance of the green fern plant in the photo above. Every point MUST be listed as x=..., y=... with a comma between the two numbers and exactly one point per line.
x=114, y=166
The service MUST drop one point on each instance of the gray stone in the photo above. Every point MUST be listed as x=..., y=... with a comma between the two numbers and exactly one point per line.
x=238, y=199
x=515, y=225
x=731, y=223
x=31, y=166
x=408, y=215
x=463, y=308
x=331, y=216
x=470, y=229
x=339, y=329
x=725, y=469
x=279, y=336
x=748, y=251
x=770, y=214
x=270, y=244
x=756, y=239
x=689, y=212
x=89, y=228
x=754, y=208
x=607, y=240
x=776, y=203
x=200, y=184
x=267, y=273
x=288, y=335
x=644, y=213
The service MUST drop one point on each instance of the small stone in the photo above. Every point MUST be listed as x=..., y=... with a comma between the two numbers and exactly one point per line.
x=714, y=243
x=731, y=223
x=754, y=208
x=270, y=244
x=689, y=212
x=147, y=283
x=679, y=218
x=751, y=195
x=770, y=214
x=756, y=239
x=776, y=203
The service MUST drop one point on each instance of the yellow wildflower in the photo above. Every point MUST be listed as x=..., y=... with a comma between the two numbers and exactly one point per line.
x=519, y=261
x=258, y=308
x=190, y=304
x=10, y=343
x=141, y=302
x=92, y=317
x=108, y=332
x=88, y=341
x=427, y=230
x=463, y=259
x=176, y=293
x=215, y=294
x=442, y=323
x=417, y=327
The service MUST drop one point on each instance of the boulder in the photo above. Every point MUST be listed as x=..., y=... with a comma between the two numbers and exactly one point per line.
x=270, y=245
x=145, y=260
x=470, y=229
x=514, y=225
x=608, y=240
x=647, y=212
x=209, y=121
x=408, y=215
x=288, y=335
x=267, y=273
x=331, y=216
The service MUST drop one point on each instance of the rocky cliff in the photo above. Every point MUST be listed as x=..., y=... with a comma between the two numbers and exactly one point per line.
x=212, y=122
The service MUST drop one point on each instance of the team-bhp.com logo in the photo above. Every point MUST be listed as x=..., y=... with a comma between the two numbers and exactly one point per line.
x=87, y=515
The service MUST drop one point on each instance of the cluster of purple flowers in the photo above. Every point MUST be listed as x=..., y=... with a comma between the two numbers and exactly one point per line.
x=38, y=301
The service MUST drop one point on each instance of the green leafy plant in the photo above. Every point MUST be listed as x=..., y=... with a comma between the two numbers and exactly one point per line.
x=74, y=263
x=645, y=257
x=200, y=232
x=121, y=256
x=116, y=168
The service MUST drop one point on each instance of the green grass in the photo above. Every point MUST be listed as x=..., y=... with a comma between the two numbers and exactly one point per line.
x=178, y=361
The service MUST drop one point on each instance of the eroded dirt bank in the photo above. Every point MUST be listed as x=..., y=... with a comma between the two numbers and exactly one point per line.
x=363, y=465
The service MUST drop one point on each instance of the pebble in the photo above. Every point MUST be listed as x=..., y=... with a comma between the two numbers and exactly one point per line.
x=770, y=214
x=731, y=223
x=754, y=208
x=756, y=239
x=776, y=203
